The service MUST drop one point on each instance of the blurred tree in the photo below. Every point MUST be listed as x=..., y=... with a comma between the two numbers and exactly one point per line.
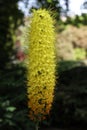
x=67, y=7
x=85, y=4
x=64, y=7
x=10, y=19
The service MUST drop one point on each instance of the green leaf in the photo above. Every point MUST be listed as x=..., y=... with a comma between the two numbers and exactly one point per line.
x=49, y=1
x=1, y=120
x=11, y=109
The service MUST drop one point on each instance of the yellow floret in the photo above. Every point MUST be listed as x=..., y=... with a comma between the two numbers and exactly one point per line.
x=41, y=66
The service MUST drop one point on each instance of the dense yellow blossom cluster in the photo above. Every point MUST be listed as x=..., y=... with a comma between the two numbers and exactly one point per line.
x=41, y=66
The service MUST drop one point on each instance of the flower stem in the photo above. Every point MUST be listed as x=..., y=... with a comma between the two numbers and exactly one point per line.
x=37, y=126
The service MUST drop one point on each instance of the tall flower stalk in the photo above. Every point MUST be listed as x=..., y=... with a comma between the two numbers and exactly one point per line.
x=41, y=65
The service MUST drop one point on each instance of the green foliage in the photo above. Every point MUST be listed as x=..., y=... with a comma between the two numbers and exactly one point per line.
x=70, y=106
x=12, y=98
x=77, y=21
x=79, y=53
x=6, y=113
x=10, y=19
x=49, y=1
x=67, y=65
x=11, y=117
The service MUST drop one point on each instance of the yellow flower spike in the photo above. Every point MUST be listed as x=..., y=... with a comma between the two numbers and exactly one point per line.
x=41, y=65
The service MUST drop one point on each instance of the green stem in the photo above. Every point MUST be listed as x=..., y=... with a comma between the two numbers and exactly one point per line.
x=37, y=126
